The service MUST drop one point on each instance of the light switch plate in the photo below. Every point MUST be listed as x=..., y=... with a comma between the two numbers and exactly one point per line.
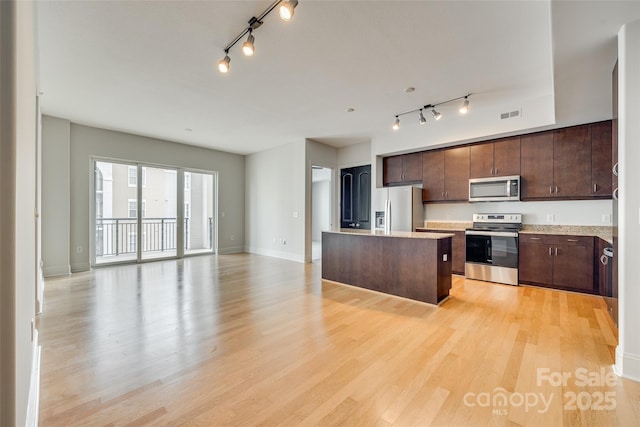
x=445, y=257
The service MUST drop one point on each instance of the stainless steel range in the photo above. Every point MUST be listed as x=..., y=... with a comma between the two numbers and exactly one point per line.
x=492, y=248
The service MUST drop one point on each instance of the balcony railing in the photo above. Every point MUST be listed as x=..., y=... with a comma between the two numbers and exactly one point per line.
x=119, y=236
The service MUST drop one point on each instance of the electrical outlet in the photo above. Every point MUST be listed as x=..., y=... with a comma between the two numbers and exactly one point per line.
x=445, y=257
x=222, y=214
x=550, y=217
x=295, y=214
x=606, y=218
x=79, y=250
x=233, y=237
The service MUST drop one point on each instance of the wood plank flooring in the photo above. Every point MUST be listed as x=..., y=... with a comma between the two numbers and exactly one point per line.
x=248, y=340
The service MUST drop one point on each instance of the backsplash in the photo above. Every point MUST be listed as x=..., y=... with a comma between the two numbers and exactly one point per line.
x=572, y=212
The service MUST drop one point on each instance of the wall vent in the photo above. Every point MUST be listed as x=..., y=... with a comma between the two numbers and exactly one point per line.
x=510, y=114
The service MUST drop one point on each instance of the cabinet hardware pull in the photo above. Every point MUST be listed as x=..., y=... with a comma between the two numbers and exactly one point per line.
x=556, y=189
x=615, y=194
x=551, y=189
x=573, y=240
x=550, y=253
x=595, y=188
x=534, y=238
x=604, y=260
x=615, y=169
x=496, y=171
x=556, y=251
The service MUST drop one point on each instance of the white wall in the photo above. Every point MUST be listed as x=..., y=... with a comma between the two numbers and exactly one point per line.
x=628, y=350
x=354, y=155
x=578, y=212
x=275, y=202
x=18, y=156
x=86, y=142
x=320, y=212
x=56, y=200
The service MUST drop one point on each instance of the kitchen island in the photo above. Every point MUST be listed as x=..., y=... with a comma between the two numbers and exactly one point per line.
x=410, y=265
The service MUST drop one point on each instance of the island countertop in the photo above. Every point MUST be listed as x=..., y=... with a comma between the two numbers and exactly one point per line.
x=403, y=234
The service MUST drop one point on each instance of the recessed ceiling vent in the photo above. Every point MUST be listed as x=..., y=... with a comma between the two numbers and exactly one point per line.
x=510, y=114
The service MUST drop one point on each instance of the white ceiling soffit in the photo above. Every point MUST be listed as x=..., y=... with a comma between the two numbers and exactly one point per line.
x=149, y=68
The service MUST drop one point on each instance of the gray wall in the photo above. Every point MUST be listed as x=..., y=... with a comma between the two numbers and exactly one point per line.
x=87, y=142
x=275, y=202
x=55, y=196
x=18, y=183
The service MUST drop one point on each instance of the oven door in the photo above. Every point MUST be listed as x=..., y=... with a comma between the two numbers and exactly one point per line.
x=496, y=248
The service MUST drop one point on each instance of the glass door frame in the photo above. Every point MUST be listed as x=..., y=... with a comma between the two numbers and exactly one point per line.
x=214, y=213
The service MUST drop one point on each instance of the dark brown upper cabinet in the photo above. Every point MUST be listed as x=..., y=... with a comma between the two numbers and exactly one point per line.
x=497, y=158
x=570, y=163
x=445, y=175
x=403, y=169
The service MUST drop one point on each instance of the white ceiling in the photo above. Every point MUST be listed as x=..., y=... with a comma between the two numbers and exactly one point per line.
x=149, y=67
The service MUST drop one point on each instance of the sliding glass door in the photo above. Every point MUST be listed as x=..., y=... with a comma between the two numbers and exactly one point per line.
x=137, y=215
x=199, y=227
x=159, y=214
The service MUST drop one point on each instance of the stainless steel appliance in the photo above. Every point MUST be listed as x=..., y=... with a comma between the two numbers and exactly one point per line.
x=494, y=189
x=492, y=248
x=402, y=208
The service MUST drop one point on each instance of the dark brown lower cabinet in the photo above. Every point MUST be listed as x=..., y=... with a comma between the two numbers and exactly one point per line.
x=558, y=261
x=459, y=252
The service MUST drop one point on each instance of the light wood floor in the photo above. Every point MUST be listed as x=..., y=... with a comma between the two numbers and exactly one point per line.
x=249, y=340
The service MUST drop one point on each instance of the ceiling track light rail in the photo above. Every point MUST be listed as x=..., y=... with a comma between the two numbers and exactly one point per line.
x=464, y=108
x=286, y=13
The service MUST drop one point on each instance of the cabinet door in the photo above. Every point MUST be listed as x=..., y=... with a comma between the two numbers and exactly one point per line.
x=363, y=197
x=412, y=167
x=481, y=160
x=574, y=263
x=601, y=154
x=535, y=260
x=433, y=176
x=536, y=165
x=456, y=174
x=506, y=157
x=572, y=162
x=392, y=170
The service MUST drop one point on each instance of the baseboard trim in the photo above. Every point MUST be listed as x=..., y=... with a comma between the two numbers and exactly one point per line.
x=34, y=387
x=80, y=266
x=627, y=365
x=276, y=254
x=56, y=270
x=231, y=250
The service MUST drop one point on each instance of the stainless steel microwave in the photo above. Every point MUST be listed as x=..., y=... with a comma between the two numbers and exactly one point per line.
x=494, y=189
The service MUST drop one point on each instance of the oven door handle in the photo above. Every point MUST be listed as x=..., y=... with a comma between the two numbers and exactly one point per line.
x=491, y=233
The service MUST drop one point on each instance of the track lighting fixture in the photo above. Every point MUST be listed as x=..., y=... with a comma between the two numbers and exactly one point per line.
x=465, y=105
x=435, y=113
x=247, y=47
x=286, y=13
x=223, y=65
x=286, y=9
x=396, y=124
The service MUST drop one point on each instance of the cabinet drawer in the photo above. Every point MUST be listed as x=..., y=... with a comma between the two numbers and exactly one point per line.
x=536, y=238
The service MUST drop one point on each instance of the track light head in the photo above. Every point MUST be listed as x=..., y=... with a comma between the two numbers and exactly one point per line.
x=286, y=9
x=247, y=47
x=396, y=124
x=422, y=120
x=223, y=65
x=436, y=115
x=465, y=105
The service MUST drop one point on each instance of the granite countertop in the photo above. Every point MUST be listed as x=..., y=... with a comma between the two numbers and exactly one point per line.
x=603, y=232
x=403, y=234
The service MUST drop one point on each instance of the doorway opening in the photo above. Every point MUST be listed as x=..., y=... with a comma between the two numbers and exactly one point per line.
x=320, y=207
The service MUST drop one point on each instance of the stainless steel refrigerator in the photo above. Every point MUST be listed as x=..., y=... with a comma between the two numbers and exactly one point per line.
x=399, y=208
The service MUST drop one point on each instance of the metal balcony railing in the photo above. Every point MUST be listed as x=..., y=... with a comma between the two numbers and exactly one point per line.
x=119, y=236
